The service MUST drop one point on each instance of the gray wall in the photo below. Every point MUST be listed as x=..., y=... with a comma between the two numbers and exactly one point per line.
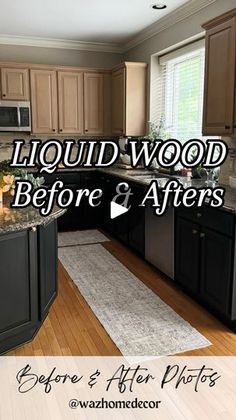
x=56, y=56
x=182, y=31
x=179, y=32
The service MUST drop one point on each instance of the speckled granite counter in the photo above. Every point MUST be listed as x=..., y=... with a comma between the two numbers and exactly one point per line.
x=132, y=175
x=12, y=220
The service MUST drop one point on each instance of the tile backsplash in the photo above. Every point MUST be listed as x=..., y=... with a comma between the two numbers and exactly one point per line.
x=229, y=167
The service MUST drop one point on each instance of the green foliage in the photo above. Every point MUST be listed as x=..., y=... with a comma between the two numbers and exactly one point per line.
x=157, y=132
x=19, y=174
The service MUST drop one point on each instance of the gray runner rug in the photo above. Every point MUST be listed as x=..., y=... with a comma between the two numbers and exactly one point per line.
x=81, y=237
x=137, y=320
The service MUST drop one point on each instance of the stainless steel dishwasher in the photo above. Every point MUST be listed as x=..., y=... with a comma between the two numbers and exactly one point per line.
x=159, y=240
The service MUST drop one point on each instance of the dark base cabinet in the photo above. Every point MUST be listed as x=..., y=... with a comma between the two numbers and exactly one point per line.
x=129, y=227
x=137, y=221
x=28, y=276
x=187, y=254
x=48, y=266
x=83, y=216
x=204, y=264
x=19, y=287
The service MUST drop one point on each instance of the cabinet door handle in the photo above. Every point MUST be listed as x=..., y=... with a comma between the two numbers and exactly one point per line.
x=33, y=229
x=199, y=215
x=202, y=235
x=4, y=95
x=227, y=127
x=53, y=130
x=194, y=232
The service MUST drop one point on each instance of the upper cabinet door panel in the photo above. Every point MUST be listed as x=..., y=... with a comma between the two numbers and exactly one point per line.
x=93, y=103
x=15, y=84
x=44, y=101
x=70, y=96
x=118, y=102
x=219, y=100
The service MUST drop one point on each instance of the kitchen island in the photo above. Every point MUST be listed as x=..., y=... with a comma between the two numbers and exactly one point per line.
x=28, y=272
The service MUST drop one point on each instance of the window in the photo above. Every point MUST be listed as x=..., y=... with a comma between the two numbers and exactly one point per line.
x=180, y=92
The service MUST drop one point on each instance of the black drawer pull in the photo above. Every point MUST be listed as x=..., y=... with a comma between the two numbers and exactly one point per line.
x=227, y=127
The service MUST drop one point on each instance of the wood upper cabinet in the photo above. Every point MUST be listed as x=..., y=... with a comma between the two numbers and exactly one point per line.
x=118, y=102
x=220, y=76
x=44, y=101
x=129, y=97
x=70, y=101
x=93, y=103
x=15, y=84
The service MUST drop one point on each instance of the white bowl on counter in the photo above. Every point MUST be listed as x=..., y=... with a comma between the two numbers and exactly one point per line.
x=125, y=159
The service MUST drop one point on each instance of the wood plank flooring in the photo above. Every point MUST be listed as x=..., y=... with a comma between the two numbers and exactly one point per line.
x=71, y=328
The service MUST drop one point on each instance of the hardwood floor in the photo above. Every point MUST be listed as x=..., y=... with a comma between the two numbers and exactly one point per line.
x=71, y=328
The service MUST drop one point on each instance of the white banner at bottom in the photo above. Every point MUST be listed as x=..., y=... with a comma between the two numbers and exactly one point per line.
x=61, y=388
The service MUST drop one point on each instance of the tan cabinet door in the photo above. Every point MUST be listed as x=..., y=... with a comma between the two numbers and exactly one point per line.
x=44, y=101
x=15, y=84
x=219, y=96
x=70, y=97
x=118, y=102
x=93, y=103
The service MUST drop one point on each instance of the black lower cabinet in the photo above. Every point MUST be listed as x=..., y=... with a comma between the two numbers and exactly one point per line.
x=216, y=269
x=47, y=267
x=204, y=259
x=90, y=216
x=19, y=288
x=137, y=221
x=187, y=254
x=28, y=277
x=129, y=227
x=82, y=216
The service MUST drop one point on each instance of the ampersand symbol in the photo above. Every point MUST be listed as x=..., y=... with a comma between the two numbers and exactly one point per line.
x=93, y=378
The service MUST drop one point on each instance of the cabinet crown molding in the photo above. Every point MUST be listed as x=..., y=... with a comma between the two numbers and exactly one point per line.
x=220, y=19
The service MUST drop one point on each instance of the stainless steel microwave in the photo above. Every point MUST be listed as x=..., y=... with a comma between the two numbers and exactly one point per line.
x=15, y=116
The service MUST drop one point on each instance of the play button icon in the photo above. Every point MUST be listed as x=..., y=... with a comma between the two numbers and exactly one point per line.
x=117, y=210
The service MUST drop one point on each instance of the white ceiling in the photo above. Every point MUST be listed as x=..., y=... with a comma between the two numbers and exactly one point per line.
x=105, y=21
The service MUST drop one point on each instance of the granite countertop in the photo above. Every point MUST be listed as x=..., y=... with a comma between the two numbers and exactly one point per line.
x=132, y=175
x=12, y=220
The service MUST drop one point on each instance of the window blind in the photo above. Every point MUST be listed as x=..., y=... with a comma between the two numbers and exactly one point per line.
x=179, y=92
